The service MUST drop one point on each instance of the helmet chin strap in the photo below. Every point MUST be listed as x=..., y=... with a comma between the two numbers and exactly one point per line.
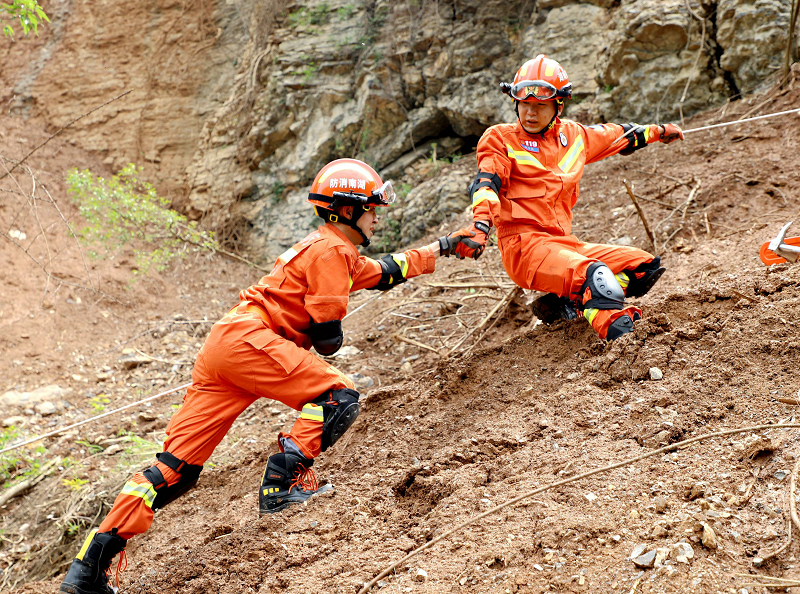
x=544, y=130
x=352, y=222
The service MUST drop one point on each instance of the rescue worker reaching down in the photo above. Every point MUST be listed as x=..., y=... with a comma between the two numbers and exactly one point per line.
x=527, y=186
x=260, y=349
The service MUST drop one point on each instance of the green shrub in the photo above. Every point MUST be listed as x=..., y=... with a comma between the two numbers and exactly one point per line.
x=27, y=12
x=126, y=212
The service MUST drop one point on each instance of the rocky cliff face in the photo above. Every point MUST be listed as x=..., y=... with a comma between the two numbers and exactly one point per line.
x=240, y=103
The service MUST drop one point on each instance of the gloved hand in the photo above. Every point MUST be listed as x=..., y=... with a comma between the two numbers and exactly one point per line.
x=447, y=244
x=472, y=240
x=670, y=133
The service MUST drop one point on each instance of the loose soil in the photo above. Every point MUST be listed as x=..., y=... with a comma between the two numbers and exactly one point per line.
x=442, y=438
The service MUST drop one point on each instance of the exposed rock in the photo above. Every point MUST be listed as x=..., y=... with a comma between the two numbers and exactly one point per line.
x=16, y=421
x=362, y=382
x=655, y=373
x=645, y=561
x=420, y=575
x=753, y=38
x=26, y=399
x=130, y=359
x=45, y=408
x=709, y=537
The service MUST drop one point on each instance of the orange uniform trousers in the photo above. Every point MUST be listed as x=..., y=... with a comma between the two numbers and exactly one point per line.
x=557, y=264
x=241, y=361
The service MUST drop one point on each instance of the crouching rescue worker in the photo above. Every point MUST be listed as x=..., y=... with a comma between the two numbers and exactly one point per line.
x=527, y=186
x=260, y=349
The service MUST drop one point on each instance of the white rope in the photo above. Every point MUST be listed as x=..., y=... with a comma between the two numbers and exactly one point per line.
x=95, y=418
x=731, y=123
x=769, y=115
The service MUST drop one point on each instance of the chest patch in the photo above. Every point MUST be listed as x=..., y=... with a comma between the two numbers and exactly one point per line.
x=563, y=138
x=532, y=146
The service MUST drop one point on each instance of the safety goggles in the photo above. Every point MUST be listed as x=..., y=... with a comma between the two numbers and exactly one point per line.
x=537, y=90
x=382, y=196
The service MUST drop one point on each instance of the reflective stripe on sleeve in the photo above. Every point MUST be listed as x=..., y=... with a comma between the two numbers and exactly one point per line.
x=524, y=157
x=571, y=156
x=402, y=262
x=484, y=194
x=312, y=412
x=143, y=490
x=287, y=256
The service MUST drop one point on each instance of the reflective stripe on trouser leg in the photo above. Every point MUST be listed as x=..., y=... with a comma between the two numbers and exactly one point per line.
x=132, y=512
x=306, y=432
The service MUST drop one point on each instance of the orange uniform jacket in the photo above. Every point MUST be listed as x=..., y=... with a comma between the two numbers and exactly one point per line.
x=539, y=176
x=533, y=210
x=313, y=280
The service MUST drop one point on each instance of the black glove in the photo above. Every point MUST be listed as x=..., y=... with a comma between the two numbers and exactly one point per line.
x=447, y=245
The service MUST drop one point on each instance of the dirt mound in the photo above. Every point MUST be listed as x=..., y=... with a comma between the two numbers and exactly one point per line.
x=443, y=439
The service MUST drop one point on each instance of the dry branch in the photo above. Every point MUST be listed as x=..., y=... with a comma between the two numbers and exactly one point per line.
x=641, y=213
x=416, y=343
x=20, y=488
x=508, y=298
x=673, y=447
x=25, y=158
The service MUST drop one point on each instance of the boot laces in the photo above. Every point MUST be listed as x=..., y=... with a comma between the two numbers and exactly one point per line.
x=123, y=556
x=304, y=479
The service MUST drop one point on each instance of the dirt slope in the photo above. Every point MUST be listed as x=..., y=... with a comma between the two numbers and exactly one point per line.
x=440, y=440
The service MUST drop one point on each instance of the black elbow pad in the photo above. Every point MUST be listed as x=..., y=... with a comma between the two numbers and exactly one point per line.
x=326, y=337
x=636, y=138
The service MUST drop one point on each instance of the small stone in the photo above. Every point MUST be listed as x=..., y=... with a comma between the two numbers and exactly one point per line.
x=662, y=554
x=659, y=531
x=147, y=416
x=660, y=504
x=313, y=523
x=16, y=421
x=26, y=399
x=655, y=373
x=709, y=537
x=114, y=448
x=780, y=474
x=638, y=550
x=420, y=575
x=382, y=583
x=130, y=359
x=348, y=351
x=45, y=408
x=362, y=382
x=590, y=496
x=645, y=561
x=683, y=551
x=573, y=376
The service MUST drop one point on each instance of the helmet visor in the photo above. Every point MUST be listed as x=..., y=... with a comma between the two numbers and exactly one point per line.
x=533, y=90
x=383, y=196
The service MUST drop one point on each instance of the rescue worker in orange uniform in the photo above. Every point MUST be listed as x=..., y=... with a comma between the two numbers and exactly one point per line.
x=527, y=186
x=260, y=349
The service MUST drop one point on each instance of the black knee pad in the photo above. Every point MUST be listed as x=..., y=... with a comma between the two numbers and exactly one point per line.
x=165, y=494
x=340, y=409
x=601, y=290
x=642, y=278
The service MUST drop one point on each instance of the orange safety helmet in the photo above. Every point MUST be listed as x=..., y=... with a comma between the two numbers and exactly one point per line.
x=348, y=182
x=539, y=79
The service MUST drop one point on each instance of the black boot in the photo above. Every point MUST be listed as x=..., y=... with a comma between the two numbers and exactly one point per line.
x=550, y=308
x=287, y=479
x=87, y=574
x=642, y=278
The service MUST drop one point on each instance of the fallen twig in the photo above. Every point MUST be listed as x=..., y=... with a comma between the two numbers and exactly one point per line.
x=467, y=286
x=416, y=343
x=20, y=488
x=485, y=320
x=641, y=213
x=507, y=302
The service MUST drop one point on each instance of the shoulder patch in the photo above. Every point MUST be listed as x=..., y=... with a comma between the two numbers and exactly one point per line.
x=562, y=138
